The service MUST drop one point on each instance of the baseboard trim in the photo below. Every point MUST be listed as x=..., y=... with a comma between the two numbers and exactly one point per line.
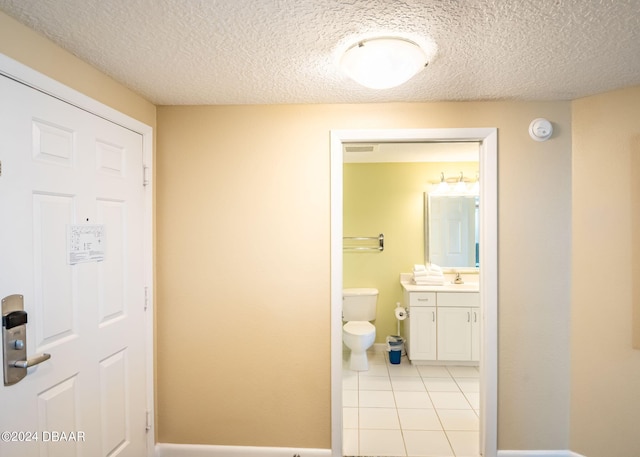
x=538, y=454
x=379, y=347
x=201, y=450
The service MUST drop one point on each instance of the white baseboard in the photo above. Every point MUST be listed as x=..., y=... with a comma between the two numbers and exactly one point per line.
x=538, y=454
x=379, y=348
x=200, y=450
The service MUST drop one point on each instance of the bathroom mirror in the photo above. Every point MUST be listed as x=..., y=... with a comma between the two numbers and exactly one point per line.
x=451, y=230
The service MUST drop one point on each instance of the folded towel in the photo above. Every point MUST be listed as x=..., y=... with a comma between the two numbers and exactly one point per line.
x=429, y=282
x=437, y=274
x=424, y=280
x=429, y=273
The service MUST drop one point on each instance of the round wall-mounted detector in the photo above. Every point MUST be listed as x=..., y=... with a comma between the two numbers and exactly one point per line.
x=540, y=129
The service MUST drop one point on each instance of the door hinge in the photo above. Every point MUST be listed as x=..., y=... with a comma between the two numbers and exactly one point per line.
x=145, y=175
x=148, y=421
x=146, y=297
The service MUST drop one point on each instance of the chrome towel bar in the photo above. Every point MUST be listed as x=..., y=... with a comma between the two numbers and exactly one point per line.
x=362, y=243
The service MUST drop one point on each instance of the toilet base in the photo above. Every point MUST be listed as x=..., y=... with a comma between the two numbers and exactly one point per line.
x=358, y=361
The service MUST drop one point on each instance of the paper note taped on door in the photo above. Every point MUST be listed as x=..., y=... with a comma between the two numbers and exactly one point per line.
x=85, y=243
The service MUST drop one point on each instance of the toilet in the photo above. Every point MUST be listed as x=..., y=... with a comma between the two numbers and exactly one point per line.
x=359, y=334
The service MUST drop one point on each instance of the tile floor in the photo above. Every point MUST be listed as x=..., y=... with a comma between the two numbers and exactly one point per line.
x=410, y=410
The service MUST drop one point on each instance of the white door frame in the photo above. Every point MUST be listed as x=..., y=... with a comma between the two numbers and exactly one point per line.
x=488, y=137
x=25, y=75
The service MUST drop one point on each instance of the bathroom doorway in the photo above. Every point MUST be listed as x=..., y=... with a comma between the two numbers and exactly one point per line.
x=487, y=139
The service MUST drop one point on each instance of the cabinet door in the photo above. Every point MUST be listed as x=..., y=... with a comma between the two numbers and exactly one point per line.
x=454, y=333
x=475, y=334
x=421, y=344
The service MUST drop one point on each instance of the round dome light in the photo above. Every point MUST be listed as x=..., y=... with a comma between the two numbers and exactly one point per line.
x=382, y=63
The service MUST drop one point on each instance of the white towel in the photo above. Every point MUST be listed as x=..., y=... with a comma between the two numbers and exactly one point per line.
x=429, y=275
x=430, y=281
x=437, y=274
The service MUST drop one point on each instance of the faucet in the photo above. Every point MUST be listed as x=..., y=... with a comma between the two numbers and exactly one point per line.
x=458, y=279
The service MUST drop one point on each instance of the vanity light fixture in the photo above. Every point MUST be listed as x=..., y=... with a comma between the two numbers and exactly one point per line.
x=457, y=185
x=460, y=186
x=383, y=63
x=443, y=186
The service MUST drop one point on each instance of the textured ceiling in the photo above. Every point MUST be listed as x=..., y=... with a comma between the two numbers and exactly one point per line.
x=176, y=52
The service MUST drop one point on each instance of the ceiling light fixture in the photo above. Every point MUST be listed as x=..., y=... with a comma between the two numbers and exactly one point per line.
x=382, y=63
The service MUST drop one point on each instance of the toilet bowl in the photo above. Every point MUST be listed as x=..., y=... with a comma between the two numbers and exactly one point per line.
x=358, y=334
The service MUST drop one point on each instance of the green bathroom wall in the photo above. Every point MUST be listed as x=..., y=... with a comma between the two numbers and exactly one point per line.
x=388, y=198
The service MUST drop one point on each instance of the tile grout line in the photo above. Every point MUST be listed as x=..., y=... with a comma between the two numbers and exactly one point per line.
x=455, y=380
x=421, y=376
x=358, y=411
x=453, y=452
x=464, y=394
x=395, y=402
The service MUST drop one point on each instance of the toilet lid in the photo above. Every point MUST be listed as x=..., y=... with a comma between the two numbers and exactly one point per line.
x=359, y=327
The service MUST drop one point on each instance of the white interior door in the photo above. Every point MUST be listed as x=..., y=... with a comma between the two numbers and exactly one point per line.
x=69, y=175
x=452, y=231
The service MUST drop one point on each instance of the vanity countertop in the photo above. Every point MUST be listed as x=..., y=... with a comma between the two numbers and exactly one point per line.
x=448, y=286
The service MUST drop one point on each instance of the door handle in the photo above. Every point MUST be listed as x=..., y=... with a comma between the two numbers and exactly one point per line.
x=31, y=361
x=14, y=341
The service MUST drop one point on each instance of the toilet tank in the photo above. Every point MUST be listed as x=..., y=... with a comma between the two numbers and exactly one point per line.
x=359, y=304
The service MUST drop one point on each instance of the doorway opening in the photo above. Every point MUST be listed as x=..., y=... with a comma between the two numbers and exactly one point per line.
x=487, y=139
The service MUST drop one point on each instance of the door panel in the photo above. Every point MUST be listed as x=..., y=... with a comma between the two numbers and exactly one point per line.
x=57, y=407
x=422, y=333
x=54, y=299
x=454, y=333
x=452, y=231
x=64, y=169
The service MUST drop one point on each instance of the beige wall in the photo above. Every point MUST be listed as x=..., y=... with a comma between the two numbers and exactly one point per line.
x=605, y=370
x=388, y=198
x=243, y=236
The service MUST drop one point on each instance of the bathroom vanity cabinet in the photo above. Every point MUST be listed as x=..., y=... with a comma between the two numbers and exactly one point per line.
x=422, y=329
x=442, y=325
